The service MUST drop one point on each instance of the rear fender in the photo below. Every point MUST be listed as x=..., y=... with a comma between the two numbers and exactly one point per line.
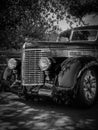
x=68, y=75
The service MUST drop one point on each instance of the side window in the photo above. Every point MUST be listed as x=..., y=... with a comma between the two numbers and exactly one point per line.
x=93, y=35
x=63, y=39
x=85, y=35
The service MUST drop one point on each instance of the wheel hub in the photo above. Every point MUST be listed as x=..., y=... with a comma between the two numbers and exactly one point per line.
x=89, y=85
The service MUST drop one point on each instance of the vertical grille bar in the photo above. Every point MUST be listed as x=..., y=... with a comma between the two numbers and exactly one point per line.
x=31, y=73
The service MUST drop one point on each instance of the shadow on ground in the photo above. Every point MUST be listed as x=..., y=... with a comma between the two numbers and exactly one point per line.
x=16, y=114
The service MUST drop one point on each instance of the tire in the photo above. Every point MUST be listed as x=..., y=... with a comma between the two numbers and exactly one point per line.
x=5, y=86
x=87, y=93
x=1, y=87
x=8, y=79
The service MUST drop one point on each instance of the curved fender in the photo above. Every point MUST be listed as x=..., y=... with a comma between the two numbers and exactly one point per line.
x=6, y=73
x=68, y=75
x=89, y=65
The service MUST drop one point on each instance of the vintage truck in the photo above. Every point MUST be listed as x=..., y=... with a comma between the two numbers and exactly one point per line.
x=63, y=70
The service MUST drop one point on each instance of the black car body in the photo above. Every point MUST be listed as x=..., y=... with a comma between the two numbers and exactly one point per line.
x=63, y=70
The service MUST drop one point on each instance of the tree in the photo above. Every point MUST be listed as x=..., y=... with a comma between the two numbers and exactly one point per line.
x=34, y=18
x=21, y=19
x=74, y=9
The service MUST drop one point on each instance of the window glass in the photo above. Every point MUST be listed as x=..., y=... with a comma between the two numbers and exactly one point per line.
x=88, y=35
x=65, y=36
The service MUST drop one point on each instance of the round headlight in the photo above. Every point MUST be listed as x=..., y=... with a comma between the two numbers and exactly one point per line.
x=44, y=63
x=12, y=63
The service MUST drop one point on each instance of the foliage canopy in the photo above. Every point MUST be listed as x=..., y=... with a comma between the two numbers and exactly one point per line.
x=33, y=18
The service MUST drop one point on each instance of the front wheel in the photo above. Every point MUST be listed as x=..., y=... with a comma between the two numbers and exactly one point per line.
x=88, y=88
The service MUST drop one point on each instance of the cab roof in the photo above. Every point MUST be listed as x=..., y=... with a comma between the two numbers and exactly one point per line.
x=95, y=27
x=90, y=27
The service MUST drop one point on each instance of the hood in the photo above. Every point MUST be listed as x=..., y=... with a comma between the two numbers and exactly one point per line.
x=66, y=49
x=48, y=44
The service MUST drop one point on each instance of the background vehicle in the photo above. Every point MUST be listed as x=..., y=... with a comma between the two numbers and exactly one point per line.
x=63, y=70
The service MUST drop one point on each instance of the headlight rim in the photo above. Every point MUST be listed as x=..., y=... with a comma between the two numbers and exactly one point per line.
x=45, y=59
x=12, y=63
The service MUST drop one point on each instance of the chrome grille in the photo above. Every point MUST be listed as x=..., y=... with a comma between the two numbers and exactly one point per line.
x=31, y=73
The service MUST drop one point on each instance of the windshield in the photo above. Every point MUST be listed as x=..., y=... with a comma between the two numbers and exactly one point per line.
x=84, y=35
x=64, y=36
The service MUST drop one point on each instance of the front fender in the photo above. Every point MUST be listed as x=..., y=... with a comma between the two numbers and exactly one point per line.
x=91, y=64
x=7, y=72
x=4, y=80
x=68, y=74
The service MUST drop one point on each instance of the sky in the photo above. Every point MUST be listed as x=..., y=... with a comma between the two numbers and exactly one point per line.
x=90, y=19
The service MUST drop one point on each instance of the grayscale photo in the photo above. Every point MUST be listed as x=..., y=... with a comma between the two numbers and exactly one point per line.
x=48, y=64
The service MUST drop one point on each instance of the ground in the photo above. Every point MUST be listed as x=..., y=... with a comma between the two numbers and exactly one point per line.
x=18, y=114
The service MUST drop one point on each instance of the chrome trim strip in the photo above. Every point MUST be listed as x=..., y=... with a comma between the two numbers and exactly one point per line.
x=40, y=49
x=32, y=84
